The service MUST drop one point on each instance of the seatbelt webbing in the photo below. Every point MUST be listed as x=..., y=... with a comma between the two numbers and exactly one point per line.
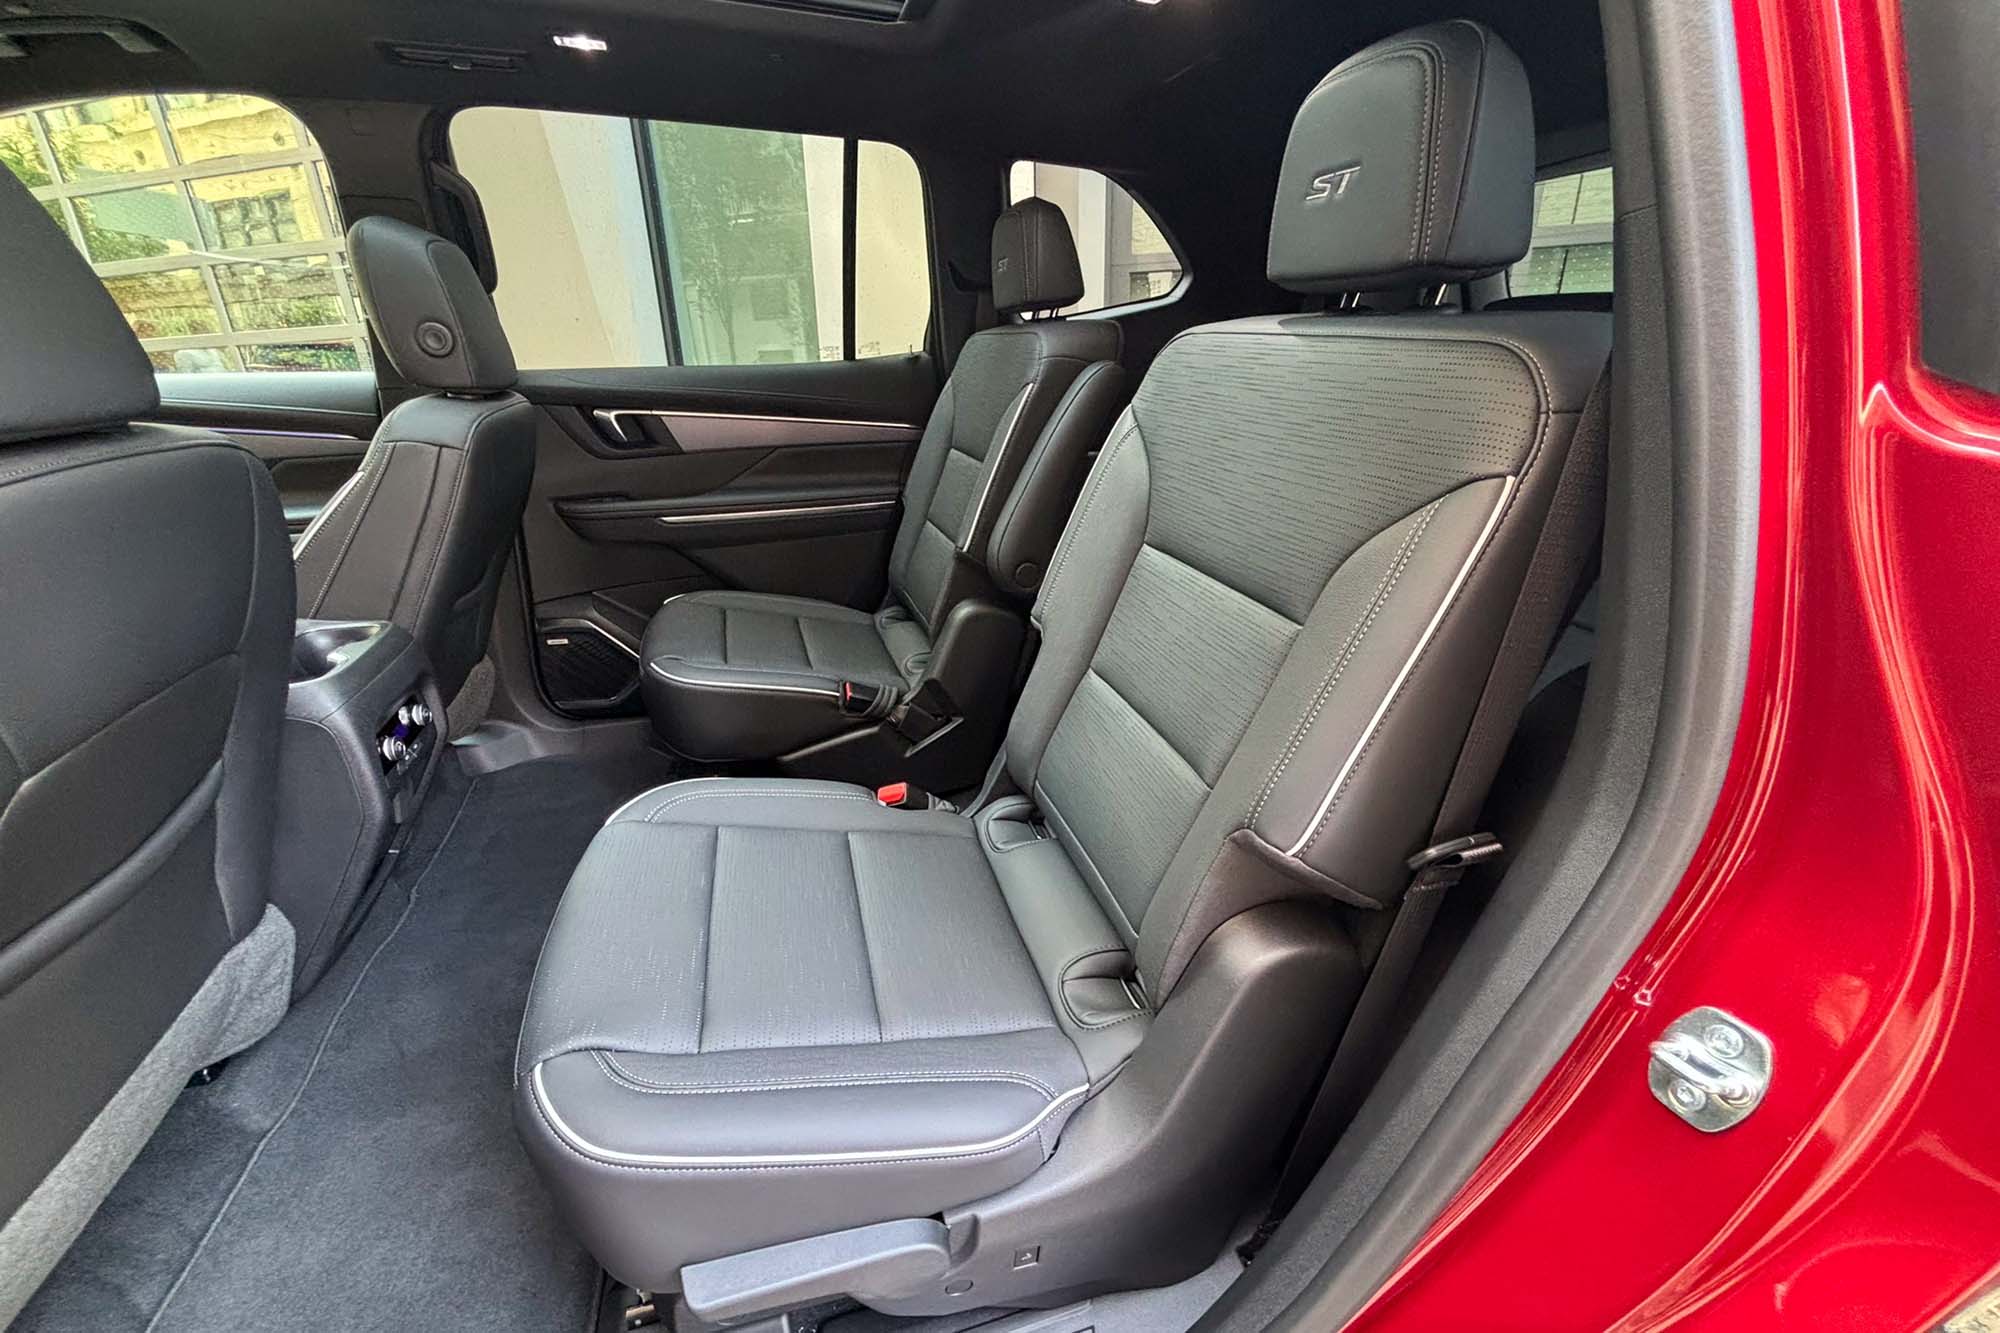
x=1562, y=554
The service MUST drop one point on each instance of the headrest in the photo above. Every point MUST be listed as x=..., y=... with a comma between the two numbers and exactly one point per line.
x=1412, y=163
x=1034, y=259
x=427, y=308
x=68, y=360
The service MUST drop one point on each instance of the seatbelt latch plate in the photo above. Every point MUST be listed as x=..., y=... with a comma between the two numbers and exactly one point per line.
x=1457, y=853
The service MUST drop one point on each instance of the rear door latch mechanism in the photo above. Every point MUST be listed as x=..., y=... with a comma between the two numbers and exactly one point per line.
x=1710, y=1068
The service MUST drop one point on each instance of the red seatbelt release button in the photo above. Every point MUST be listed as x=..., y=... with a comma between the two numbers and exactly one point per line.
x=896, y=794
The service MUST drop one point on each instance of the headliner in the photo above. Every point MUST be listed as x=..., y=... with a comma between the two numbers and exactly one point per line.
x=1111, y=83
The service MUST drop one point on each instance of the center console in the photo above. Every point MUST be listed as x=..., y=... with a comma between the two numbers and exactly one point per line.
x=363, y=730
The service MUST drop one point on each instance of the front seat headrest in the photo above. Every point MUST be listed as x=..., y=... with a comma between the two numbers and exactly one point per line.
x=429, y=312
x=68, y=360
x=1412, y=163
x=1034, y=259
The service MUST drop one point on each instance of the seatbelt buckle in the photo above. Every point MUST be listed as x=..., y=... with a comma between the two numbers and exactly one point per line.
x=861, y=700
x=927, y=714
x=1443, y=863
x=907, y=796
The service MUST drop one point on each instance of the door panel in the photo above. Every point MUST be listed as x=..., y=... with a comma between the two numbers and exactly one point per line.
x=652, y=482
x=311, y=428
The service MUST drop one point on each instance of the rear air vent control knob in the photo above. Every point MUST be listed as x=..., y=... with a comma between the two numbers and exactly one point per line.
x=395, y=749
x=420, y=714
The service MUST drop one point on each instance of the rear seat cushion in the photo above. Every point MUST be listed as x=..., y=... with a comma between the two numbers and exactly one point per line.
x=787, y=983
x=737, y=675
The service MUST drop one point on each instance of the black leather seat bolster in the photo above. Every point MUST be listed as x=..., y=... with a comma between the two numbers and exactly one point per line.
x=417, y=535
x=1028, y=525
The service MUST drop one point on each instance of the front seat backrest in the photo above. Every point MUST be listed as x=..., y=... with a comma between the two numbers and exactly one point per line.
x=421, y=533
x=1003, y=390
x=145, y=631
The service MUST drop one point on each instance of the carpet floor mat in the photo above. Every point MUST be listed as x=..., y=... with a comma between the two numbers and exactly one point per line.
x=358, y=1168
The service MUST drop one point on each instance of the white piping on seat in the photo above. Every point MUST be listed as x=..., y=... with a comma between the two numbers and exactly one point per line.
x=654, y=791
x=810, y=691
x=1312, y=826
x=585, y=1146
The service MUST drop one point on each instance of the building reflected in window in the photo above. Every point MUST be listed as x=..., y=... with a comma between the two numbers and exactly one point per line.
x=211, y=219
x=1571, y=247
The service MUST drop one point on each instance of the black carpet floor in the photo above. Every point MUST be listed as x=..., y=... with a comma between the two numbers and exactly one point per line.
x=358, y=1168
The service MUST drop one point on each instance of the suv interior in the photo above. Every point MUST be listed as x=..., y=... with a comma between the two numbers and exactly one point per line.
x=850, y=665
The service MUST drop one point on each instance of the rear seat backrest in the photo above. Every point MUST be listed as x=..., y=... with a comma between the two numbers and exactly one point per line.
x=1267, y=626
x=1001, y=393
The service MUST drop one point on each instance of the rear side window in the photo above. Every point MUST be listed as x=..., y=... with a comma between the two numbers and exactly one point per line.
x=1571, y=247
x=211, y=219
x=1126, y=254
x=624, y=243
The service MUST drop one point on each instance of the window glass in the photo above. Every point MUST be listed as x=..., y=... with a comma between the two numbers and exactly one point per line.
x=645, y=243
x=751, y=225
x=211, y=219
x=1570, y=250
x=892, y=272
x=1126, y=256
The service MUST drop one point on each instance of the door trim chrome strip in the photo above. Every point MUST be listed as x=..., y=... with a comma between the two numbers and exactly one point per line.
x=753, y=416
x=751, y=430
x=780, y=511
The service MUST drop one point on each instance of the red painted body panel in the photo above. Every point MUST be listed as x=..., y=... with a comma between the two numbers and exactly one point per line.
x=1843, y=899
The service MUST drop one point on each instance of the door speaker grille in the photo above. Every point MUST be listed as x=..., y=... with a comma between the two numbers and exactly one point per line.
x=583, y=668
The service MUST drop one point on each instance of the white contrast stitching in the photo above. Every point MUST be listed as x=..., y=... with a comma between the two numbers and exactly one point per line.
x=582, y=1147
x=618, y=1074
x=1393, y=575
x=664, y=806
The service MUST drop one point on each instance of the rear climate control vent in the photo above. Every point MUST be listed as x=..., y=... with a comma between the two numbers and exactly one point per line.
x=464, y=59
x=874, y=11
